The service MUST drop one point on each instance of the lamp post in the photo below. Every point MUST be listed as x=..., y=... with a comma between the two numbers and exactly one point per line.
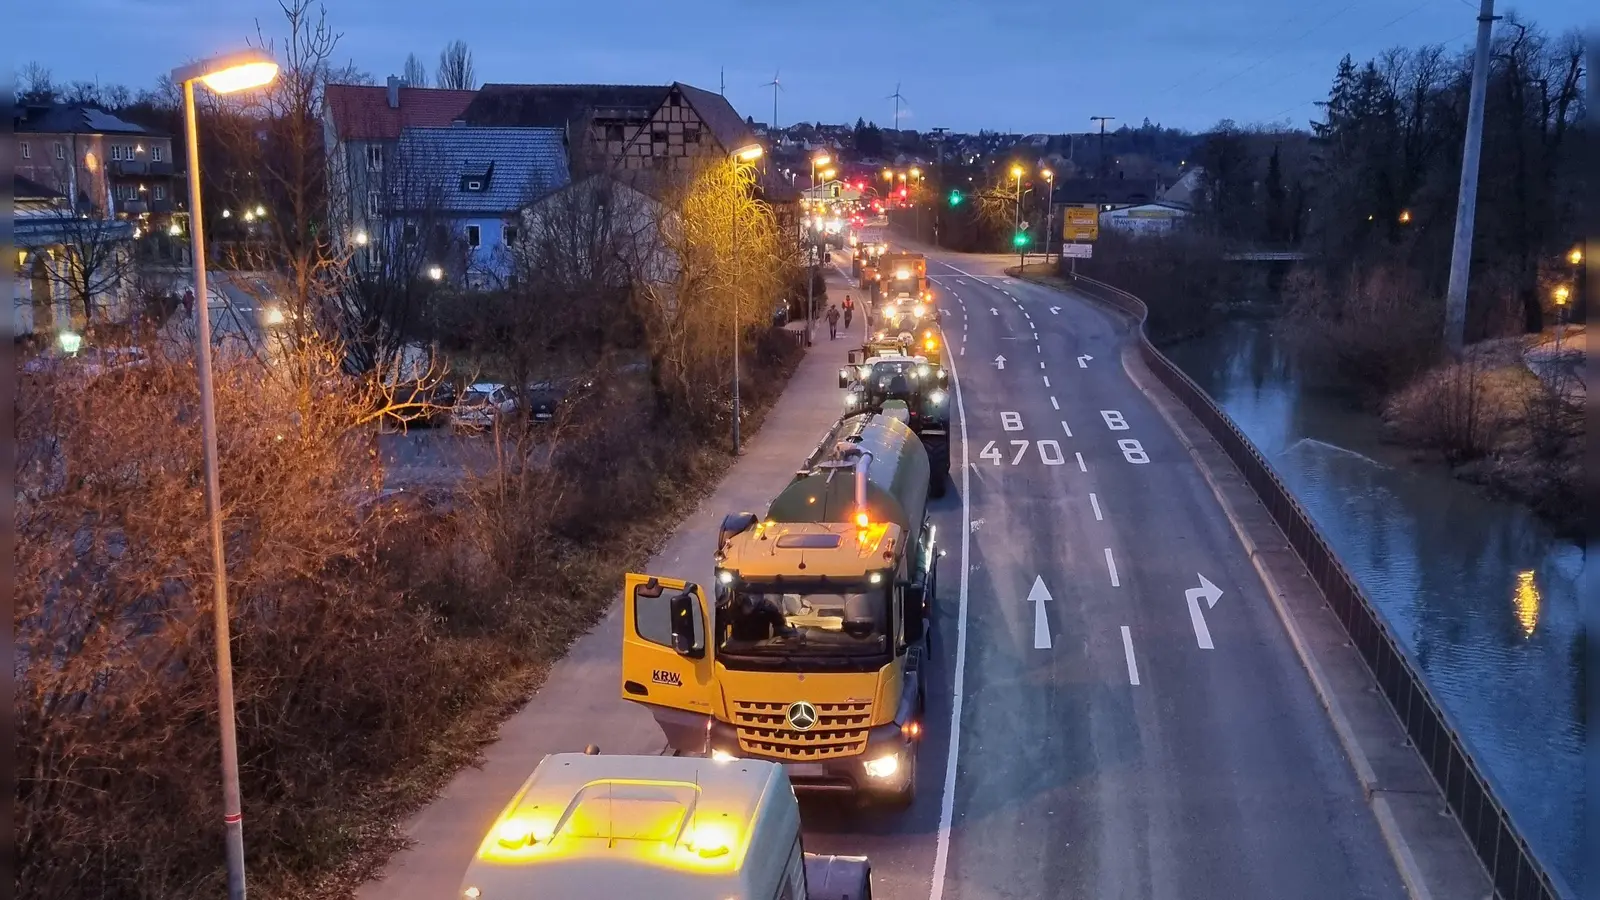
x=223, y=75
x=741, y=157
x=1049, y=213
x=821, y=159
x=1016, y=172
x=916, y=211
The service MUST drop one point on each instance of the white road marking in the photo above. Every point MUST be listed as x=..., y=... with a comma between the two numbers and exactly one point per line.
x=1036, y=335
x=1209, y=591
x=1041, y=364
x=1055, y=405
x=1046, y=378
x=1039, y=595
x=1083, y=361
x=1066, y=429
x=962, y=271
x=1081, y=466
x=947, y=802
x=1095, y=502
x=1127, y=650
x=962, y=352
x=1038, y=348
x=1111, y=566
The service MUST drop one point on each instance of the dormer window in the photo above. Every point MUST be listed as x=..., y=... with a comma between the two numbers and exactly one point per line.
x=474, y=185
x=476, y=181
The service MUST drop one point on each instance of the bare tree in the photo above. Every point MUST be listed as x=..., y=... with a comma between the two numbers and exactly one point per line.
x=35, y=84
x=415, y=74
x=456, y=71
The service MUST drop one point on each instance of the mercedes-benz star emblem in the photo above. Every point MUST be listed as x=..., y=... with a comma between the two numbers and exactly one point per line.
x=802, y=716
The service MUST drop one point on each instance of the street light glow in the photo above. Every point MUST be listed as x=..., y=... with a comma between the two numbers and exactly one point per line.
x=916, y=172
x=435, y=273
x=828, y=173
x=1576, y=256
x=231, y=73
x=748, y=154
x=1563, y=294
x=1048, y=175
x=1405, y=216
x=822, y=159
x=1016, y=171
x=361, y=239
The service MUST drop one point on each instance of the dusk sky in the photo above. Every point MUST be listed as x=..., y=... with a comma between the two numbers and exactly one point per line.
x=1018, y=65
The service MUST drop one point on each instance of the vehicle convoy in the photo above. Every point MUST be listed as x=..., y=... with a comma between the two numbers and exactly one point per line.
x=809, y=651
x=589, y=826
x=880, y=378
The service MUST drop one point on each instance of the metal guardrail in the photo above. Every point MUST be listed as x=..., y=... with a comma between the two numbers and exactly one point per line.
x=1512, y=867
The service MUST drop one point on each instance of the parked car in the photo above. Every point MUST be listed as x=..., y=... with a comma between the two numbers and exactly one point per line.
x=545, y=398
x=89, y=362
x=481, y=405
x=421, y=404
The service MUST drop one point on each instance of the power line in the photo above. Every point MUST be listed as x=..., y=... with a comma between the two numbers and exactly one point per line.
x=1237, y=53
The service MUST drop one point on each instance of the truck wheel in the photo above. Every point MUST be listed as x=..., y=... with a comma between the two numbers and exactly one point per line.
x=938, y=465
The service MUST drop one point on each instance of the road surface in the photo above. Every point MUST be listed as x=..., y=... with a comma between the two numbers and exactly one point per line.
x=1134, y=722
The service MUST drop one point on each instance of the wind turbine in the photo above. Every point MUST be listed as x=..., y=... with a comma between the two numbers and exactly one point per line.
x=898, y=99
x=776, y=87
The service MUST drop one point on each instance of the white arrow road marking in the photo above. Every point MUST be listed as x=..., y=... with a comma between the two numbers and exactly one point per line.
x=1210, y=592
x=999, y=362
x=1095, y=502
x=1127, y=650
x=1055, y=310
x=1111, y=566
x=993, y=311
x=1083, y=361
x=1039, y=595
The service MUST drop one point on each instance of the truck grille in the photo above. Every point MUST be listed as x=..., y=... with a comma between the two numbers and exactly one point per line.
x=841, y=730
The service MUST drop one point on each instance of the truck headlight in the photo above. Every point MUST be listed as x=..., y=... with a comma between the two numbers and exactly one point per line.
x=922, y=371
x=850, y=399
x=918, y=310
x=883, y=766
x=937, y=397
x=722, y=756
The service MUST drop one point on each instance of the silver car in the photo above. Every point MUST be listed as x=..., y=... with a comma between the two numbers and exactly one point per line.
x=480, y=405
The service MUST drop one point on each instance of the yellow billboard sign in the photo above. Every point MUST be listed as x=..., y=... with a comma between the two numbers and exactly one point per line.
x=1081, y=223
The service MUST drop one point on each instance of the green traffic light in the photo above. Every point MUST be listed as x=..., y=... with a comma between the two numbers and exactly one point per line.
x=1021, y=240
x=955, y=198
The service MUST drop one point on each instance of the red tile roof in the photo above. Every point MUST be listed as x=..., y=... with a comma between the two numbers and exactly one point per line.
x=362, y=112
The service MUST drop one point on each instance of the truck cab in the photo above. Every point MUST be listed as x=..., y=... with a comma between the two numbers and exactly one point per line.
x=808, y=648
x=588, y=826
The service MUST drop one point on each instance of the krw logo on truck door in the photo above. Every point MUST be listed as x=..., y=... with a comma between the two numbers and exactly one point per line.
x=663, y=676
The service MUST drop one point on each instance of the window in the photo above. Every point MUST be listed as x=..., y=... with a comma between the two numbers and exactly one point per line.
x=508, y=234
x=474, y=185
x=614, y=133
x=408, y=233
x=61, y=151
x=474, y=235
x=116, y=151
x=691, y=133
x=161, y=192
x=372, y=203
x=652, y=616
x=374, y=257
x=375, y=157
x=155, y=153
x=26, y=152
x=658, y=136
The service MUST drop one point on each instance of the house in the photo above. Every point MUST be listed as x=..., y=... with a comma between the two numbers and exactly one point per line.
x=462, y=190
x=560, y=230
x=361, y=126
x=652, y=129
x=70, y=269
x=102, y=164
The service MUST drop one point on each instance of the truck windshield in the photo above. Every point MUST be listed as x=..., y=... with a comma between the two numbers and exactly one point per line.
x=785, y=623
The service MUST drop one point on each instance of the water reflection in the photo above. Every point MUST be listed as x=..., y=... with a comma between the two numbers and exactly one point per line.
x=1526, y=602
x=1438, y=557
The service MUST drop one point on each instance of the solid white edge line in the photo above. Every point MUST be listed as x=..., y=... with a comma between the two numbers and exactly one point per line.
x=1095, y=502
x=1127, y=650
x=1111, y=567
x=947, y=802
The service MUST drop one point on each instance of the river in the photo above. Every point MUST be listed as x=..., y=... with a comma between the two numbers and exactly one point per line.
x=1483, y=596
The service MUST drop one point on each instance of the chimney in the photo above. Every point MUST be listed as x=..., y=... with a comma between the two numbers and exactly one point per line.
x=394, y=92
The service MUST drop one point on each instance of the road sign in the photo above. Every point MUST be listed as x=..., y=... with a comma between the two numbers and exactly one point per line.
x=1081, y=223
x=1077, y=251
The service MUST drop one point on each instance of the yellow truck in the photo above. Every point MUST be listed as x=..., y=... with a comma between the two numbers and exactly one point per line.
x=808, y=650
x=585, y=826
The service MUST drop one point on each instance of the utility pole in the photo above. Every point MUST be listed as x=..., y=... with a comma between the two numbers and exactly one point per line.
x=1102, y=120
x=1455, y=303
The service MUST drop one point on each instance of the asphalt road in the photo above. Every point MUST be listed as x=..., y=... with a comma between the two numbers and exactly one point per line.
x=1116, y=739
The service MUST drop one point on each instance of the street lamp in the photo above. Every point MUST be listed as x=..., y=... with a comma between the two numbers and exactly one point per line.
x=741, y=156
x=1016, y=172
x=1575, y=257
x=1561, y=296
x=1049, y=212
x=820, y=159
x=223, y=75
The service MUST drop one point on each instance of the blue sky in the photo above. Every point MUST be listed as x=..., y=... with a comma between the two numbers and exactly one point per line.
x=1009, y=65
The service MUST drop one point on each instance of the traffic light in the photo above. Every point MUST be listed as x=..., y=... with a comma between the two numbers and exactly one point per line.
x=1021, y=240
x=955, y=198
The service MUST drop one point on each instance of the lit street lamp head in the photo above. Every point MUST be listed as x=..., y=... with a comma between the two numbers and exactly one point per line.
x=1576, y=256
x=230, y=73
x=821, y=159
x=748, y=154
x=1016, y=171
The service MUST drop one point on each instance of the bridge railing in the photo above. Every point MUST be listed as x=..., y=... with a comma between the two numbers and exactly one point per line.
x=1514, y=870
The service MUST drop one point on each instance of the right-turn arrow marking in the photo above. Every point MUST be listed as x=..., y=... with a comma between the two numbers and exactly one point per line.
x=1211, y=593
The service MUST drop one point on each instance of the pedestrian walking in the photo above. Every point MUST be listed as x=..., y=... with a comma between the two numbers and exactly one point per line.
x=188, y=303
x=833, y=322
x=847, y=313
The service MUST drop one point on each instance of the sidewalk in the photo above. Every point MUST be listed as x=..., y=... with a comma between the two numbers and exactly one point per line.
x=581, y=701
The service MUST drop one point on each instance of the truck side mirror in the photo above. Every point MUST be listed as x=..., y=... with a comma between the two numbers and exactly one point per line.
x=685, y=612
